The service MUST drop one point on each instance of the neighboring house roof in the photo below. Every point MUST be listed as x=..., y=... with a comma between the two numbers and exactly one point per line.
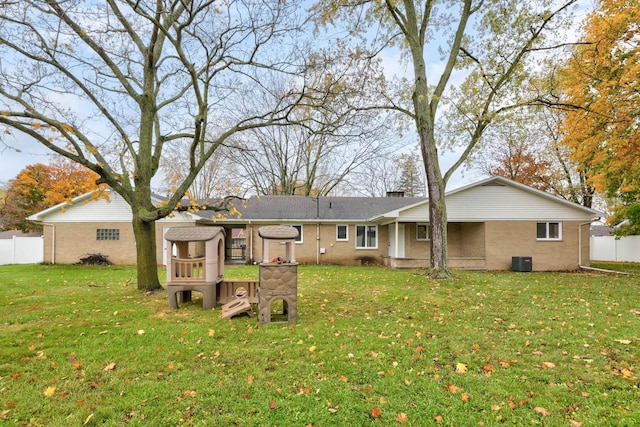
x=601, y=230
x=10, y=234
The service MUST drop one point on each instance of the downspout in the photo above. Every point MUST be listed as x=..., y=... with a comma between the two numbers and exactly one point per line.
x=580, y=254
x=318, y=244
x=580, y=243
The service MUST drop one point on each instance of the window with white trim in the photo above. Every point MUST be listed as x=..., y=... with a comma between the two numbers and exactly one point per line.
x=422, y=232
x=366, y=236
x=549, y=231
x=108, y=234
x=342, y=232
x=299, y=228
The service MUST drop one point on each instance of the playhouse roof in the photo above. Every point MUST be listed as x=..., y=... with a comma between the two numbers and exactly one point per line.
x=192, y=234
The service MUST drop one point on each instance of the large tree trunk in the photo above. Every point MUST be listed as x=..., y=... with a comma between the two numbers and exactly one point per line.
x=145, y=234
x=437, y=208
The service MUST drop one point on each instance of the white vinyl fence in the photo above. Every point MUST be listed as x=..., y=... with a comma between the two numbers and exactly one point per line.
x=607, y=248
x=21, y=250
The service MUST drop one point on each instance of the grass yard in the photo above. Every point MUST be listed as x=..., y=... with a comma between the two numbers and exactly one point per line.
x=81, y=346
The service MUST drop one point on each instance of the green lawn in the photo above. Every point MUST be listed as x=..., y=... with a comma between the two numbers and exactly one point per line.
x=81, y=346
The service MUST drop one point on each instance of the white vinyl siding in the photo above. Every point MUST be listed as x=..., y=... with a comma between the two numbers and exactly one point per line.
x=488, y=203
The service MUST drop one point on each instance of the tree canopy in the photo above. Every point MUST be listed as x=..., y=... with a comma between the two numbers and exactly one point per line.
x=40, y=186
x=601, y=85
x=110, y=85
x=468, y=62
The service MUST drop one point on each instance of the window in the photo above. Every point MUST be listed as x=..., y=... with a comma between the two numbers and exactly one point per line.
x=299, y=228
x=342, y=232
x=549, y=231
x=422, y=231
x=366, y=236
x=107, y=234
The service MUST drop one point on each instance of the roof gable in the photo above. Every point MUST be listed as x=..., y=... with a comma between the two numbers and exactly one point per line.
x=499, y=198
x=83, y=209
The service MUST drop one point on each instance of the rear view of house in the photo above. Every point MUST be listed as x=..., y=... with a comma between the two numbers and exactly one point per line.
x=490, y=222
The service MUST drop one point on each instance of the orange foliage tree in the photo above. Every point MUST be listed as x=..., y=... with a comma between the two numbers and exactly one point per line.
x=40, y=186
x=602, y=84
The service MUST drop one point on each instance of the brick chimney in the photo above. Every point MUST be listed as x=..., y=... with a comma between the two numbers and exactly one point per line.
x=395, y=193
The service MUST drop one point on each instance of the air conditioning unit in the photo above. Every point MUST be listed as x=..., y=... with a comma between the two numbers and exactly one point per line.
x=521, y=263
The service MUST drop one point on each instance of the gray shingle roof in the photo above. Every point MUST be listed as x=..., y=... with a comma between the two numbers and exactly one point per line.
x=302, y=208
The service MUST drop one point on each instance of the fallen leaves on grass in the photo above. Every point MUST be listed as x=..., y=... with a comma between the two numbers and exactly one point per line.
x=88, y=419
x=452, y=388
x=461, y=368
x=402, y=418
x=375, y=412
x=542, y=411
x=49, y=391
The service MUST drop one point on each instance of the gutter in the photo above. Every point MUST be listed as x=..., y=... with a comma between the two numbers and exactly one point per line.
x=584, y=267
x=580, y=242
x=318, y=244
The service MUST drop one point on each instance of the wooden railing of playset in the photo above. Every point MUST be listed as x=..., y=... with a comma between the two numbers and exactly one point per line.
x=188, y=270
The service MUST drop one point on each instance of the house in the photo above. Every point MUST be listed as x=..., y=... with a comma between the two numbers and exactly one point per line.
x=103, y=226
x=490, y=222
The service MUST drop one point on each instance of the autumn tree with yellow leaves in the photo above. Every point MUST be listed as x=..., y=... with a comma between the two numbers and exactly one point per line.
x=601, y=83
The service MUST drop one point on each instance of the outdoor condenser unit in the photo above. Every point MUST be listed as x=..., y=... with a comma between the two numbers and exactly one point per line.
x=521, y=263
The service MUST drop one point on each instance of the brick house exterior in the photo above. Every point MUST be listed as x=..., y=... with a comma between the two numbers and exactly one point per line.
x=490, y=222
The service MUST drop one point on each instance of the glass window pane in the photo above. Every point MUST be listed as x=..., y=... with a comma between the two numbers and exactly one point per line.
x=422, y=232
x=542, y=230
x=342, y=232
x=371, y=241
x=554, y=230
x=360, y=236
